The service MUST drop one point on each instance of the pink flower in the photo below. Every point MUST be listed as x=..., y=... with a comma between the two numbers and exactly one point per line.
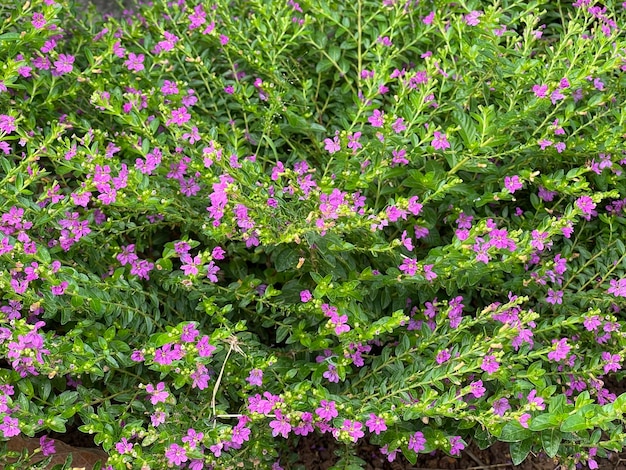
x=305, y=296
x=490, y=364
x=523, y=420
x=176, y=454
x=376, y=119
x=540, y=90
x=64, y=63
x=353, y=428
x=280, y=425
x=326, y=410
x=561, y=350
x=47, y=446
x=333, y=145
x=158, y=394
x=7, y=123
x=376, y=424
x=255, y=377
x=135, y=62
x=512, y=183
x=417, y=442
x=440, y=141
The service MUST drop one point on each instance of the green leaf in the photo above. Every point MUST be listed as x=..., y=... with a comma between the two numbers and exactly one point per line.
x=544, y=421
x=514, y=432
x=551, y=440
x=574, y=423
x=520, y=450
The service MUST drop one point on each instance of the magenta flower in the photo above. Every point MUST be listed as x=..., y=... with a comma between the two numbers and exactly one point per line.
x=376, y=424
x=327, y=410
x=501, y=406
x=47, y=446
x=417, y=442
x=586, y=205
x=7, y=123
x=64, y=63
x=560, y=351
x=305, y=296
x=535, y=402
x=477, y=389
x=456, y=445
x=554, y=297
x=38, y=21
x=135, y=62
x=377, y=118
x=408, y=266
x=123, y=446
x=353, y=428
x=255, y=377
x=10, y=427
x=523, y=420
x=440, y=141
x=490, y=364
x=333, y=145
x=443, y=356
x=512, y=183
x=158, y=394
x=280, y=425
x=176, y=454
x=540, y=91
x=612, y=362
x=471, y=19
x=179, y=116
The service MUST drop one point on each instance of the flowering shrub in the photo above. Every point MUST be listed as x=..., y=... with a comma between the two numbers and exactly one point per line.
x=228, y=225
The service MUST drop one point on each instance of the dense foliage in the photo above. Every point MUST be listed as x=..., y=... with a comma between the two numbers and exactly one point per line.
x=225, y=225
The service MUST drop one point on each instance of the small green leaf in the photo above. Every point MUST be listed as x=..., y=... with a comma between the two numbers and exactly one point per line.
x=520, y=450
x=514, y=432
x=551, y=440
x=574, y=423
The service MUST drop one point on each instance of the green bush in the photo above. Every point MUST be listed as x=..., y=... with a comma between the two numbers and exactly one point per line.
x=229, y=225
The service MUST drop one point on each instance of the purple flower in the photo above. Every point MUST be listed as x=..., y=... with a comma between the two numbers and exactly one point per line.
x=456, y=445
x=333, y=145
x=280, y=425
x=535, y=402
x=124, y=446
x=440, y=141
x=47, y=446
x=7, y=123
x=158, y=394
x=540, y=90
x=305, y=296
x=471, y=19
x=135, y=62
x=443, y=356
x=490, y=364
x=353, y=428
x=586, y=205
x=523, y=420
x=501, y=406
x=477, y=389
x=326, y=410
x=64, y=63
x=560, y=351
x=255, y=377
x=612, y=362
x=376, y=119
x=211, y=271
x=376, y=424
x=408, y=266
x=10, y=427
x=417, y=442
x=512, y=183
x=554, y=297
x=176, y=454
